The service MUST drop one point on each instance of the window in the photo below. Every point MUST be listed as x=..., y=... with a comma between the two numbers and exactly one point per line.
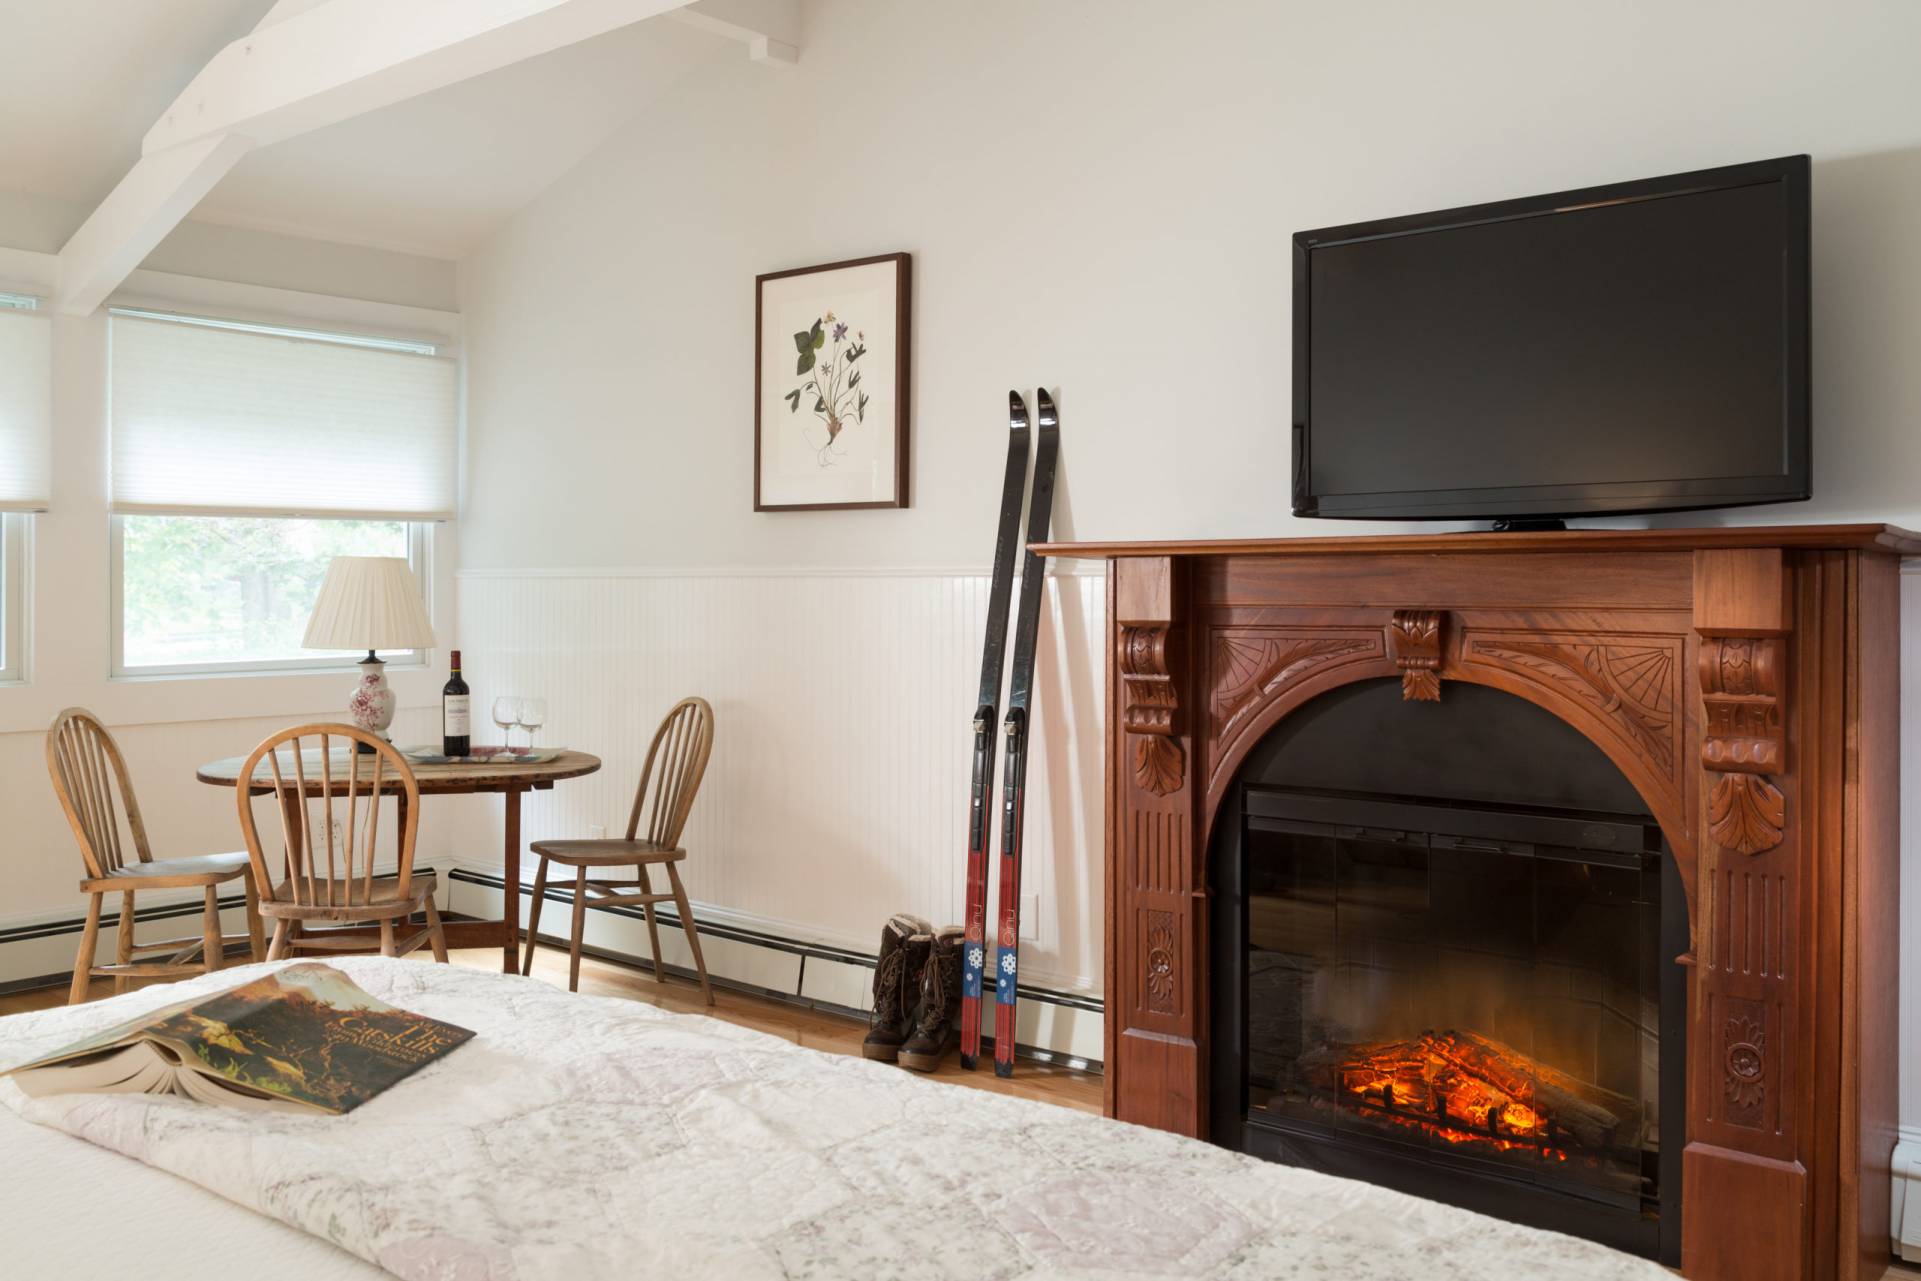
x=245, y=458
x=230, y=593
x=26, y=403
x=13, y=596
x=26, y=414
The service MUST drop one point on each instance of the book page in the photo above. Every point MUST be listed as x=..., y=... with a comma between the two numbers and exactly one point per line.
x=134, y=1069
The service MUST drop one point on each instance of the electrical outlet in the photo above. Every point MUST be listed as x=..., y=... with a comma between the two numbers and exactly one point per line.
x=596, y=832
x=1030, y=918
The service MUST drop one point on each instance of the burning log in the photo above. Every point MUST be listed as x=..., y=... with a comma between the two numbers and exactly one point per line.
x=1468, y=1087
x=1563, y=1101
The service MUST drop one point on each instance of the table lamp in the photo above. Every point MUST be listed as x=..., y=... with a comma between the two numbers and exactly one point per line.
x=370, y=603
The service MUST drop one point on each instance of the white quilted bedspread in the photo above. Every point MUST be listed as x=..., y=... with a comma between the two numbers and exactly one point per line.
x=579, y=1137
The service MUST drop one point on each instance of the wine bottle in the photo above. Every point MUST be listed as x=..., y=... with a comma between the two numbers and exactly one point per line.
x=456, y=714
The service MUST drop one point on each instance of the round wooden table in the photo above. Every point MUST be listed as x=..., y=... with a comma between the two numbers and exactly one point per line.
x=443, y=780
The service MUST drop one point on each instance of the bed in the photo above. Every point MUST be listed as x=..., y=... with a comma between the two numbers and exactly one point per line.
x=579, y=1137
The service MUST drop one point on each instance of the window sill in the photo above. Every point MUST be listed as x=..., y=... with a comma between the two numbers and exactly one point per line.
x=342, y=671
x=315, y=693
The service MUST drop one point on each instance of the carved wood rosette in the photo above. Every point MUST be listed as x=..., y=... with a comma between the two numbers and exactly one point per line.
x=1741, y=740
x=1415, y=638
x=1150, y=705
x=1744, y=1063
x=1159, y=966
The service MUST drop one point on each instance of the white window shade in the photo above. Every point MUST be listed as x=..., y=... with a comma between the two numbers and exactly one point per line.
x=26, y=409
x=208, y=418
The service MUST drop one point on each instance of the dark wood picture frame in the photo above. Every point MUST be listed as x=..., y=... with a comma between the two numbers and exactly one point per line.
x=903, y=312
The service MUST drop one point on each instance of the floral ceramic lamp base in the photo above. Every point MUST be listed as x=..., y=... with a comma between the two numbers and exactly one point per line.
x=372, y=704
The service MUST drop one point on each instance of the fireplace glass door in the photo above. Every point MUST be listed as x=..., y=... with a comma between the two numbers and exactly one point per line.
x=1470, y=987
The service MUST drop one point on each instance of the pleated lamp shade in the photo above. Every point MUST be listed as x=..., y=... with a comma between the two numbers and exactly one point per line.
x=369, y=602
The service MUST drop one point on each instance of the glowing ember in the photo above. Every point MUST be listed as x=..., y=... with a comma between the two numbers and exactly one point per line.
x=1463, y=1088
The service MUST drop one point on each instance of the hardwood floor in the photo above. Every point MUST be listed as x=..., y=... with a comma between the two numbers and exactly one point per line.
x=817, y=1030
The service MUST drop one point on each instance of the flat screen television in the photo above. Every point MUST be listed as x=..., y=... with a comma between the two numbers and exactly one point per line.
x=1641, y=347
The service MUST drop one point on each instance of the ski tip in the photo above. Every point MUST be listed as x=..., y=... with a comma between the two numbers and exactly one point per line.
x=1046, y=402
x=1016, y=411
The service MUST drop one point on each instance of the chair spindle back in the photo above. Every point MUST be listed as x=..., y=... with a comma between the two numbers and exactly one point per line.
x=680, y=748
x=325, y=862
x=88, y=771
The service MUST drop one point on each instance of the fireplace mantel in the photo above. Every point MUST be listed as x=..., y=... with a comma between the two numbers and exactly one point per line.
x=1744, y=680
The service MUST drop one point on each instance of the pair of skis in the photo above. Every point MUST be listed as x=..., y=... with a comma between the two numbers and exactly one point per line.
x=1019, y=697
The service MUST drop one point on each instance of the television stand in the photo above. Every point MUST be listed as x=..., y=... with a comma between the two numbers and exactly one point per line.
x=1528, y=525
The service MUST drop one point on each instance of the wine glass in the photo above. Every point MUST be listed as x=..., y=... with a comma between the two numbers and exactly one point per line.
x=506, y=713
x=533, y=714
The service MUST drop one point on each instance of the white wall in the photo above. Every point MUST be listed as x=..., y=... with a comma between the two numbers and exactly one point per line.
x=166, y=726
x=1099, y=195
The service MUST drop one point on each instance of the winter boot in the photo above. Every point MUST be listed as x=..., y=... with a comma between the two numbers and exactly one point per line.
x=903, y=954
x=936, y=1028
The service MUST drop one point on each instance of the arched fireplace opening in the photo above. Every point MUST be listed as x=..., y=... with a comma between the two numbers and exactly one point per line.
x=1443, y=941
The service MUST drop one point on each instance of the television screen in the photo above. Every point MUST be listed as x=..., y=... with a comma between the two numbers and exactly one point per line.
x=1634, y=348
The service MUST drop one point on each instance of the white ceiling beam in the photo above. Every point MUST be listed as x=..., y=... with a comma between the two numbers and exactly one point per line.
x=769, y=28
x=137, y=215
x=305, y=66
x=345, y=58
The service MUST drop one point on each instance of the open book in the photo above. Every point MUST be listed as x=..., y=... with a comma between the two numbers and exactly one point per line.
x=304, y=1037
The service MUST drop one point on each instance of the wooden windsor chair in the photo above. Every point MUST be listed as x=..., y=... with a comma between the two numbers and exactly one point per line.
x=91, y=781
x=681, y=746
x=324, y=762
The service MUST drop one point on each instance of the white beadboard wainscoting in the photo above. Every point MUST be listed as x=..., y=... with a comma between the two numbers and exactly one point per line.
x=843, y=700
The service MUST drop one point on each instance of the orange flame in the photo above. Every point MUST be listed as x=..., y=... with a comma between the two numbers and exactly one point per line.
x=1430, y=1094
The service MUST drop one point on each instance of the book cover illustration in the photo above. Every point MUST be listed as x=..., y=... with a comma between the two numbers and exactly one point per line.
x=305, y=1034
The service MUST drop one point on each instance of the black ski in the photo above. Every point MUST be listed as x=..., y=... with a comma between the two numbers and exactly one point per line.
x=986, y=714
x=1020, y=688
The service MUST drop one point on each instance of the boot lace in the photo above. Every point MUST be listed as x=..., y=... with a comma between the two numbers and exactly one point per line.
x=892, y=984
x=945, y=982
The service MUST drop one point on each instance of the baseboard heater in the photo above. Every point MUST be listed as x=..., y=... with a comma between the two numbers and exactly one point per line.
x=668, y=920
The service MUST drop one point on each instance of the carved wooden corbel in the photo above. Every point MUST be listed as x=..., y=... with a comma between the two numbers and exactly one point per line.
x=1741, y=740
x=1415, y=639
x=1147, y=598
x=1149, y=706
x=1742, y=612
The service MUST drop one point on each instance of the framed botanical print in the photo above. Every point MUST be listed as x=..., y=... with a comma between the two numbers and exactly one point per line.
x=830, y=386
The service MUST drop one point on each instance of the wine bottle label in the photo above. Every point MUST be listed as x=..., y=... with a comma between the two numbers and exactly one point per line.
x=456, y=715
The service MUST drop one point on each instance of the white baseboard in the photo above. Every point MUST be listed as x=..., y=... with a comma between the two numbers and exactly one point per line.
x=777, y=960
x=1905, y=1224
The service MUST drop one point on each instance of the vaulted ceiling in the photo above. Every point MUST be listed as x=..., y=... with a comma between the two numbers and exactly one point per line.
x=83, y=80
x=434, y=174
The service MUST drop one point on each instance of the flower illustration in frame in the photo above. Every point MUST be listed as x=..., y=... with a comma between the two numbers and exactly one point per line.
x=831, y=386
